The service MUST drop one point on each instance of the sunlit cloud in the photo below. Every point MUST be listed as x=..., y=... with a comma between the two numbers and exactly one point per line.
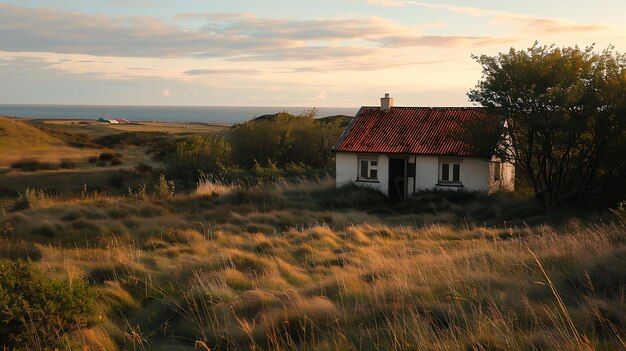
x=214, y=71
x=303, y=60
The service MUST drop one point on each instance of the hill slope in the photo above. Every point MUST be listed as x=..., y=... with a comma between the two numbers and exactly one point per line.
x=20, y=140
x=17, y=134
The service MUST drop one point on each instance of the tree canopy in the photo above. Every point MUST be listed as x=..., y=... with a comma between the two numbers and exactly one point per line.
x=566, y=117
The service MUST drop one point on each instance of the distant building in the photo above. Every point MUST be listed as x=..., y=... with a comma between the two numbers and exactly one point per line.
x=114, y=120
x=401, y=150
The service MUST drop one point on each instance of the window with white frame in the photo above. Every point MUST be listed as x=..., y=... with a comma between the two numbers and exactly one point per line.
x=368, y=168
x=449, y=172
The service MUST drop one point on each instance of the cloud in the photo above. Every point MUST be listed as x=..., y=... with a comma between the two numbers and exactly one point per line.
x=441, y=41
x=529, y=24
x=236, y=37
x=213, y=72
x=128, y=3
x=389, y=3
x=166, y=93
x=525, y=23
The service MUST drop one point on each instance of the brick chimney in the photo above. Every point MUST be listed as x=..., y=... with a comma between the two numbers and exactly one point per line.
x=386, y=103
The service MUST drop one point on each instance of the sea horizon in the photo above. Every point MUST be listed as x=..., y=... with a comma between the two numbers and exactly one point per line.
x=204, y=114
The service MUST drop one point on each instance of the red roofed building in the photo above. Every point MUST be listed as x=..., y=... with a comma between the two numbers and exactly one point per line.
x=401, y=150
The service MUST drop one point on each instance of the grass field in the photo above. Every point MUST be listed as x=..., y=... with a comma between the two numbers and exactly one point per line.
x=93, y=127
x=303, y=266
x=292, y=265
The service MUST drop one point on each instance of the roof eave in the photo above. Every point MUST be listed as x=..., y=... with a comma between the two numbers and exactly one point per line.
x=345, y=132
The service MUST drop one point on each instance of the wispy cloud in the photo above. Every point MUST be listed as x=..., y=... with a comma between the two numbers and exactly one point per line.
x=237, y=37
x=523, y=22
x=217, y=71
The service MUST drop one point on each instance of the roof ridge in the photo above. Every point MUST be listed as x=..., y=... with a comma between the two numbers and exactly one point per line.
x=433, y=107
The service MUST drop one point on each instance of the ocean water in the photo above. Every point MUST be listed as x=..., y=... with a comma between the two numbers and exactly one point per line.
x=207, y=114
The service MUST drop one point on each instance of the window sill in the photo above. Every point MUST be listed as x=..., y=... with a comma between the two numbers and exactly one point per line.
x=452, y=185
x=367, y=181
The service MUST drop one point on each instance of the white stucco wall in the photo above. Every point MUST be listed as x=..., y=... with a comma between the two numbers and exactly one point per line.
x=347, y=171
x=507, y=177
x=476, y=174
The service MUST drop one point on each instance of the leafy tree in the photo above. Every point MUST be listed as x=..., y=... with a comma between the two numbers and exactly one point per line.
x=566, y=117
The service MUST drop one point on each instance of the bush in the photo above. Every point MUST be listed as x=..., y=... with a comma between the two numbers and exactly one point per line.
x=35, y=310
x=351, y=196
x=285, y=139
x=143, y=168
x=93, y=159
x=67, y=164
x=29, y=199
x=164, y=188
x=33, y=165
x=116, y=161
x=108, y=156
x=197, y=154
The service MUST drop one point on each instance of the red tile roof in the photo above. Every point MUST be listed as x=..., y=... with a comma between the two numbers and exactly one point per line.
x=417, y=130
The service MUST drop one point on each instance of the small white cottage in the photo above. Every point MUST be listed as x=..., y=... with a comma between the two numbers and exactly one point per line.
x=401, y=150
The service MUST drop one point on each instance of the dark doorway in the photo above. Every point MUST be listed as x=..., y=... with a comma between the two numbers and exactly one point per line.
x=397, y=179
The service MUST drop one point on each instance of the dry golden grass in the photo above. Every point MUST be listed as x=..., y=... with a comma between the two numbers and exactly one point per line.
x=19, y=140
x=207, y=186
x=237, y=271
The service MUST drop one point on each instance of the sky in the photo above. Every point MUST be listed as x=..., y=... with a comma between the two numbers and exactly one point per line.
x=340, y=53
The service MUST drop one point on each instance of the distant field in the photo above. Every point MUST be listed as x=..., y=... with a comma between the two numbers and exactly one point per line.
x=166, y=127
x=53, y=141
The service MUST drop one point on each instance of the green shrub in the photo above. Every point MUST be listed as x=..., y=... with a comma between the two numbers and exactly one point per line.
x=197, y=154
x=93, y=159
x=36, y=310
x=116, y=161
x=285, y=139
x=164, y=188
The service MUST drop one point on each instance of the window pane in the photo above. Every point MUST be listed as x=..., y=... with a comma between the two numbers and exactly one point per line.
x=364, y=172
x=496, y=171
x=445, y=171
x=456, y=173
x=374, y=163
x=374, y=174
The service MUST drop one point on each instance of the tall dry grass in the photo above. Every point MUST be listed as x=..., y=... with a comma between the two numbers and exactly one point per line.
x=271, y=267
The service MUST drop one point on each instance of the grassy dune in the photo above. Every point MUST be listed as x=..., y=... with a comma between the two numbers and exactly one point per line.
x=304, y=266
x=20, y=140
